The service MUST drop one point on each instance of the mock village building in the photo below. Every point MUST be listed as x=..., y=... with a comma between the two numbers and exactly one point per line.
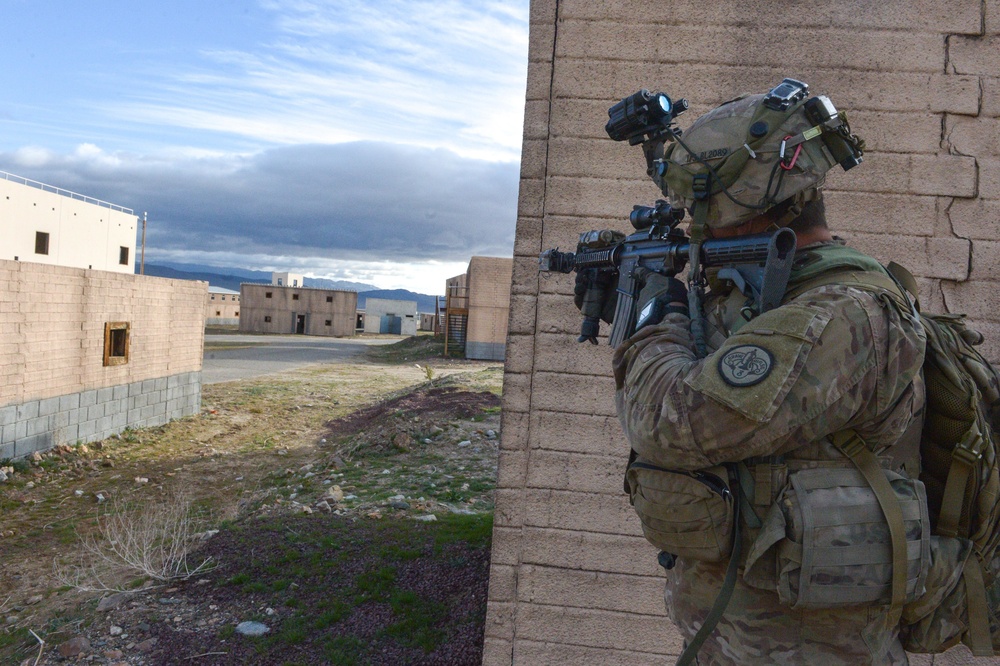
x=269, y=308
x=222, y=307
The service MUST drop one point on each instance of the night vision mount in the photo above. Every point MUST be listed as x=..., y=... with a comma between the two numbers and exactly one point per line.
x=644, y=116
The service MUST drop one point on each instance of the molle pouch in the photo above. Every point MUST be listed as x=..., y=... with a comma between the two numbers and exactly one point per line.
x=687, y=514
x=830, y=540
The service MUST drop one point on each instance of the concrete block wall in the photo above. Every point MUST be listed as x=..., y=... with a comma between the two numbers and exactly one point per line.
x=56, y=388
x=572, y=580
x=488, y=281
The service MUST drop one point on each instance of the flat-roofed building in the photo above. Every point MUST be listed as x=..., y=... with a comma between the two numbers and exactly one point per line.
x=49, y=225
x=222, y=307
x=396, y=317
x=288, y=280
x=488, y=295
x=268, y=308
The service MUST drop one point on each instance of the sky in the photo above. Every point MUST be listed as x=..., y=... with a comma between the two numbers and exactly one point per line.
x=376, y=142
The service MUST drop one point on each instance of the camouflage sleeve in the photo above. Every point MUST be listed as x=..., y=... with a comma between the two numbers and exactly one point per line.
x=787, y=378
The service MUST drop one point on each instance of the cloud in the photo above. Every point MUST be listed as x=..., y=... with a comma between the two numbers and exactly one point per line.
x=362, y=201
x=432, y=73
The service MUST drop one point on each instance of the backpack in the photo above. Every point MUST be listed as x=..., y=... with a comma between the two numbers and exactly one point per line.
x=960, y=462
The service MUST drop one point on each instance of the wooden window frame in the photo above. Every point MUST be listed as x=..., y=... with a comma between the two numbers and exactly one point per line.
x=114, y=331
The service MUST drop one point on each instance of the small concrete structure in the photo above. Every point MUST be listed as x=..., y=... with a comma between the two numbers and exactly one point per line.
x=272, y=309
x=488, y=282
x=288, y=280
x=394, y=317
x=222, y=307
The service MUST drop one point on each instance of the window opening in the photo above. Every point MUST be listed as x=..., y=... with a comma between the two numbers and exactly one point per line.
x=41, y=242
x=116, y=342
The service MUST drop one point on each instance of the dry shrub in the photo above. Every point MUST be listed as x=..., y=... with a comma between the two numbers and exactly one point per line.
x=153, y=540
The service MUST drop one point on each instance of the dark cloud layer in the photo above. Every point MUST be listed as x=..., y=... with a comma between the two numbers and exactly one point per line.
x=364, y=201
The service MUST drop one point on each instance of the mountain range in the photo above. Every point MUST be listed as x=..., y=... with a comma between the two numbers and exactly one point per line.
x=231, y=278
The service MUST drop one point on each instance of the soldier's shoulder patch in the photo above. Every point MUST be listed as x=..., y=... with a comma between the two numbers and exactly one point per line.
x=745, y=365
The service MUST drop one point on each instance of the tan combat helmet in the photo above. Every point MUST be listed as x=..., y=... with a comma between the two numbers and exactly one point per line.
x=754, y=152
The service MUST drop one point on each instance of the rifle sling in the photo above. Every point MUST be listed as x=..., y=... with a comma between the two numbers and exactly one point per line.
x=690, y=653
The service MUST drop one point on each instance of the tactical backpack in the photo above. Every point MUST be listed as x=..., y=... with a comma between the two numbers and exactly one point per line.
x=958, y=445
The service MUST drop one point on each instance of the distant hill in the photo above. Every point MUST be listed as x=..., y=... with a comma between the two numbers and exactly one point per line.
x=231, y=278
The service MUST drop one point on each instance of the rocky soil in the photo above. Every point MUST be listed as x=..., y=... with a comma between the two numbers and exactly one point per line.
x=343, y=510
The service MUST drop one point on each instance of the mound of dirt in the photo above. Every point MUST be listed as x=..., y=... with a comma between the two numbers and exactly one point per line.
x=436, y=402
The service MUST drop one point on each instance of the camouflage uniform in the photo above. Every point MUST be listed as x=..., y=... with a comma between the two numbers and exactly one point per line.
x=830, y=359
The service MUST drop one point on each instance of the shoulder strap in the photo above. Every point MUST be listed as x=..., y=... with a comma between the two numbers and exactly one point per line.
x=873, y=281
x=851, y=445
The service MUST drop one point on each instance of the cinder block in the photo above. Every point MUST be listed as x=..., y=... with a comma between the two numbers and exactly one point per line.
x=522, y=314
x=531, y=198
x=527, y=241
x=95, y=412
x=506, y=545
x=588, y=551
x=8, y=415
x=591, y=589
x=974, y=55
x=944, y=258
x=539, y=78
x=985, y=261
x=752, y=44
x=597, y=197
x=48, y=406
x=577, y=433
x=962, y=16
x=498, y=652
x=37, y=426
x=516, y=392
x=895, y=215
x=550, y=392
x=160, y=384
x=973, y=136
x=503, y=583
x=520, y=352
x=499, y=620
x=514, y=426
x=88, y=398
x=28, y=410
x=560, y=352
x=597, y=629
x=120, y=391
x=28, y=445
x=6, y=450
x=979, y=300
x=68, y=402
x=942, y=175
x=569, y=510
x=508, y=507
x=578, y=472
x=86, y=430
x=547, y=653
x=135, y=388
x=989, y=178
x=511, y=468
x=67, y=434
x=105, y=395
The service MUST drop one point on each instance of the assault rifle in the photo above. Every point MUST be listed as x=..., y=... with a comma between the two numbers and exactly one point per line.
x=758, y=265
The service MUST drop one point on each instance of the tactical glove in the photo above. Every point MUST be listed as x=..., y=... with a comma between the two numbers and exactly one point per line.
x=595, y=295
x=659, y=296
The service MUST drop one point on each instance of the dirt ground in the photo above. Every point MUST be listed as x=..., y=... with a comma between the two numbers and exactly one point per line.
x=353, y=504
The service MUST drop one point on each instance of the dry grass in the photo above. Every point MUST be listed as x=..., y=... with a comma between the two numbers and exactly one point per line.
x=151, y=540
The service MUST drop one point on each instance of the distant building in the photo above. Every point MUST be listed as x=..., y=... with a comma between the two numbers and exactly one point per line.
x=48, y=225
x=276, y=309
x=488, y=283
x=383, y=315
x=222, y=307
x=287, y=280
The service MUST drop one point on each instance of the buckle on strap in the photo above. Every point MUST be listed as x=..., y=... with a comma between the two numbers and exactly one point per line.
x=970, y=449
x=850, y=446
x=699, y=186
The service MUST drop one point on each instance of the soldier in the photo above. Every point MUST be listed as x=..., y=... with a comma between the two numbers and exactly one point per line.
x=763, y=424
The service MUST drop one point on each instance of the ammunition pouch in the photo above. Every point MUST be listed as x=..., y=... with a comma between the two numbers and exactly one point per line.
x=830, y=542
x=687, y=514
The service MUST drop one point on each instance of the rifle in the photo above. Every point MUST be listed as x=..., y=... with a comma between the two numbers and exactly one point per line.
x=759, y=265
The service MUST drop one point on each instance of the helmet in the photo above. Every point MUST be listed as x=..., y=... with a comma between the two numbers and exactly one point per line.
x=754, y=152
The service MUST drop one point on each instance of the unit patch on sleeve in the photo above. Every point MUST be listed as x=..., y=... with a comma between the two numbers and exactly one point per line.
x=745, y=365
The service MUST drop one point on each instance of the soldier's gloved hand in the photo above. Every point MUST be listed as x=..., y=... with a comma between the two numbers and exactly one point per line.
x=595, y=294
x=659, y=296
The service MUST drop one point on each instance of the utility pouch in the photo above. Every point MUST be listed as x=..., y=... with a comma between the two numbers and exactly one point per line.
x=687, y=514
x=832, y=544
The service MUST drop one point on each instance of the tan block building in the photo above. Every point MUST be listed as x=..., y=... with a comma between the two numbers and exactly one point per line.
x=390, y=316
x=85, y=354
x=488, y=283
x=572, y=579
x=289, y=310
x=49, y=225
x=222, y=307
